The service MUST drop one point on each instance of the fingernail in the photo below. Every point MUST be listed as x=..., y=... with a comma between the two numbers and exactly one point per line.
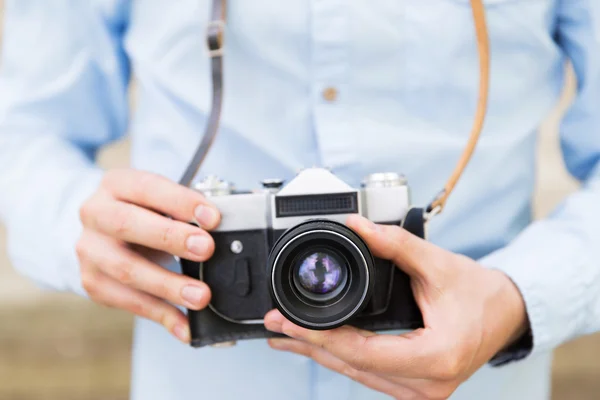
x=369, y=225
x=182, y=332
x=363, y=223
x=193, y=295
x=198, y=244
x=206, y=216
x=274, y=324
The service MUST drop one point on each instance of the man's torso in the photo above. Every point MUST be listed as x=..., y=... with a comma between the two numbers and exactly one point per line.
x=359, y=87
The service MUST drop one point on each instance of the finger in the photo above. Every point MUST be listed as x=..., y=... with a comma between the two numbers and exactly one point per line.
x=273, y=321
x=134, y=224
x=415, y=256
x=416, y=355
x=107, y=291
x=133, y=270
x=153, y=255
x=162, y=195
x=328, y=360
x=400, y=388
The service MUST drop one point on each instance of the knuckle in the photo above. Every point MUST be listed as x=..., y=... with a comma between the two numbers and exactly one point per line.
x=139, y=307
x=168, y=237
x=84, y=212
x=163, y=319
x=395, y=230
x=81, y=248
x=309, y=351
x=449, y=368
x=360, y=360
x=121, y=222
x=143, y=184
x=438, y=392
x=400, y=235
x=398, y=241
x=350, y=372
x=89, y=282
x=124, y=272
x=326, y=342
x=88, y=211
x=166, y=317
x=185, y=199
x=163, y=289
x=360, y=363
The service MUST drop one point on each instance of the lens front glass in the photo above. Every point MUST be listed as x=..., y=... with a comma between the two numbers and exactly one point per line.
x=320, y=275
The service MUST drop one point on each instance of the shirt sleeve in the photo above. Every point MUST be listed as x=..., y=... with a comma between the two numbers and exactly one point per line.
x=63, y=94
x=555, y=262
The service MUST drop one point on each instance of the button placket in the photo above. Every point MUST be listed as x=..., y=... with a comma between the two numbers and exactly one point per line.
x=330, y=35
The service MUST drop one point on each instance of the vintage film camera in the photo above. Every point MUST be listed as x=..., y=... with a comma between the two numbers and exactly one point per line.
x=287, y=247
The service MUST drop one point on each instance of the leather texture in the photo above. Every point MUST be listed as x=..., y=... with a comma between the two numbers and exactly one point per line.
x=483, y=47
x=208, y=328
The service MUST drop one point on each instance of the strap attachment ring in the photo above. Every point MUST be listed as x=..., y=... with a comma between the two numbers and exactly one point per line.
x=215, y=32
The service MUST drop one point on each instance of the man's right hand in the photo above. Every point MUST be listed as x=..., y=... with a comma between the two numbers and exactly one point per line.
x=125, y=234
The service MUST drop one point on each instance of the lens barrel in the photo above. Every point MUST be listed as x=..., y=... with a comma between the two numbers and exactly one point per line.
x=321, y=274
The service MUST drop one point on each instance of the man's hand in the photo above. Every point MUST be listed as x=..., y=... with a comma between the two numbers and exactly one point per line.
x=125, y=235
x=470, y=313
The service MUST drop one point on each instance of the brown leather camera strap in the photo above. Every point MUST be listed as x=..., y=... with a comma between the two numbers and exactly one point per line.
x=215, y=42
x=437, y=205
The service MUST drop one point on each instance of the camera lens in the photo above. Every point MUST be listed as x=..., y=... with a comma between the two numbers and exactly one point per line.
x=321, y=274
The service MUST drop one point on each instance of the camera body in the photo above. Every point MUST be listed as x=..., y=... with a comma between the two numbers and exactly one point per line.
x=287, y=247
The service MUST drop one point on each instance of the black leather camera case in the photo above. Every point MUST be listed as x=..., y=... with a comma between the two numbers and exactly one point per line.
x=209, y=328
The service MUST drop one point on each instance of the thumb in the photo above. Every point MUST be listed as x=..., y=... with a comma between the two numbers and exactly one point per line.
x=415, y=256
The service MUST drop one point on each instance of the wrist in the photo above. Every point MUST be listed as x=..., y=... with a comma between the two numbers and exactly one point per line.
x=507, y=314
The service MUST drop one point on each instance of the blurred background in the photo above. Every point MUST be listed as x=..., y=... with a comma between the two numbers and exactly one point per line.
x=58, y=346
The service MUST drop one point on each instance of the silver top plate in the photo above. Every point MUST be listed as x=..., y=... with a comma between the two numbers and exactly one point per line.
x=384, y=179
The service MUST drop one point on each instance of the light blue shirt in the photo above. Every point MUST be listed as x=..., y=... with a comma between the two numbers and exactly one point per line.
x=406, y=76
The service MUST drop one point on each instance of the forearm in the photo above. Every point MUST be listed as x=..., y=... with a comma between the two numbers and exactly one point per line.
x=554, y=263
x=46, y=180
x=63, y=80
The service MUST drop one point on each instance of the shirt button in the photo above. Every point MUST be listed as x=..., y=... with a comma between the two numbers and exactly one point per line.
x=330, y=94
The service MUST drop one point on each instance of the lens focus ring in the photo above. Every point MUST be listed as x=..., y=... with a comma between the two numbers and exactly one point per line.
x=321, y=274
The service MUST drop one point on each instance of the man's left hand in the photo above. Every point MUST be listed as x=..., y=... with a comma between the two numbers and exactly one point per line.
x=470, y=313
